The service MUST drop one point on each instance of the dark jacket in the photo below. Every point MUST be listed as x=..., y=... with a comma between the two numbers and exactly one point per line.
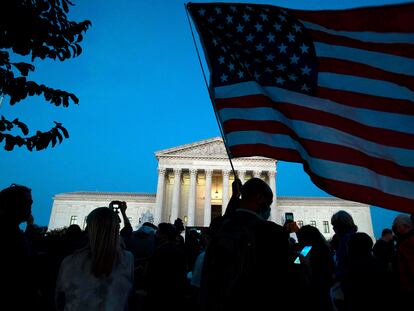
x=264, y=281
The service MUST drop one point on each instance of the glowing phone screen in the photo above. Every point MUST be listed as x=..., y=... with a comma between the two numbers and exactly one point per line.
x=303, y=252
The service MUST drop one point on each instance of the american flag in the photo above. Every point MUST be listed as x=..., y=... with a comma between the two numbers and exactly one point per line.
x=331, y=89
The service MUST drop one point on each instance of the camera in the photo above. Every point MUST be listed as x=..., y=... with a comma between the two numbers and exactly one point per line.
x=115, y=206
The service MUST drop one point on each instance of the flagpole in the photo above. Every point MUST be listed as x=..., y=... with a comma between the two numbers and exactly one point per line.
x=210, y=94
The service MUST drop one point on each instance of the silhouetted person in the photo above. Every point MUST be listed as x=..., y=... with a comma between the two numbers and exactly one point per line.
x=17, y=271
x=318, y=268
x=166, y=274
x=192, y=248
x=53, y=249
x=141, y=243
x=74, y=238
x=344, y=227
x=404, y=230
x=179, y=226
x=259, y=274
x=384, y=248
x=365, y=283
x=99, y=276
x=195, y=281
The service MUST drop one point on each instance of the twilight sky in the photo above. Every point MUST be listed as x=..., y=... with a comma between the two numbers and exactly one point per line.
x=141, y=90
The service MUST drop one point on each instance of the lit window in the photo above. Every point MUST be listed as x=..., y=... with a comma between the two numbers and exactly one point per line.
x=313, y=223
x=73, y=220
x=299, y=223
x=325, y=226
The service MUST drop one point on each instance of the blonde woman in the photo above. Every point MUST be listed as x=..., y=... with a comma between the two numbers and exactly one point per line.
x=99, y=276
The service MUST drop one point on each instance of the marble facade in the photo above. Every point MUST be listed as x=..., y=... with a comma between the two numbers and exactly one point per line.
x=194, y=183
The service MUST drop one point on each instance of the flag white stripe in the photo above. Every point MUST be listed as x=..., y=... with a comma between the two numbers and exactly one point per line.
x=367, y=36
x=387, y=62
x=243, y=89
x=364, y=85
x=386, y=120
x=328, y=169
x=306, y=130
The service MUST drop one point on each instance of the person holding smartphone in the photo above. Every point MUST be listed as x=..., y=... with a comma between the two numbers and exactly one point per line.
x=291, y=228
x=121, y=207
x=317, y=267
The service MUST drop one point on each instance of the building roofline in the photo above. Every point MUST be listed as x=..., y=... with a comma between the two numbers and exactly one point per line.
x=185, y=146
x=167, y=153
x=102, y=195
x=316, y=200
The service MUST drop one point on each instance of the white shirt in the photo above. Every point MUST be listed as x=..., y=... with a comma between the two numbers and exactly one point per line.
x=83, y=291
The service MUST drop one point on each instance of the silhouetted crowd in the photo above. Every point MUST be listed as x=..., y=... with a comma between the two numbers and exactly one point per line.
x=241, y=261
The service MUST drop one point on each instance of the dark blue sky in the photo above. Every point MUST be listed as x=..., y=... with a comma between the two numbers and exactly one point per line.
x=141, y=90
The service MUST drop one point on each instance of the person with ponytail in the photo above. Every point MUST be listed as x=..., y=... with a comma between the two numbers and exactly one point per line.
x=99, y=276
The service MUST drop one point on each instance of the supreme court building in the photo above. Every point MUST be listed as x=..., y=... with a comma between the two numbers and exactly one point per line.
x=194, y=184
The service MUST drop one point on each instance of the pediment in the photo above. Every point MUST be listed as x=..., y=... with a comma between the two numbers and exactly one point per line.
x=213, y=147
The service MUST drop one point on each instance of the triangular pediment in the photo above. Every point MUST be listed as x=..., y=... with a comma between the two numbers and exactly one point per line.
x=213, y=147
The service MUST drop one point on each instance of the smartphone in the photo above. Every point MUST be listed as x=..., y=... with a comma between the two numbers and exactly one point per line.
x=304, y=252
x=289, y=217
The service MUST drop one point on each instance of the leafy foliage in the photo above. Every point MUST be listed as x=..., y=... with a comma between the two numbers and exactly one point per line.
x=36, y=29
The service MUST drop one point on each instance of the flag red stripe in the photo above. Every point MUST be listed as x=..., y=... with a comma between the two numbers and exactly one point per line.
x=348, y=98
x=270, y=127
x=247, y=101
x=375, y=134
x=336, y=188
x=326, y=64
x=250, y=150
x=324, y=150
x=399, y=49
x=391, y=18
x=361, y=193
x=296, y=112
x=359, y=100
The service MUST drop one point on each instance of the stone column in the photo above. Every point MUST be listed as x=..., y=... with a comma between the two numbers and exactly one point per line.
x=272, y=184
x=241, y=174
x=225, y=191
x=160, y=196
x=256, y=174
x=207, y=199
x=192, y=197
x=176, y=194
